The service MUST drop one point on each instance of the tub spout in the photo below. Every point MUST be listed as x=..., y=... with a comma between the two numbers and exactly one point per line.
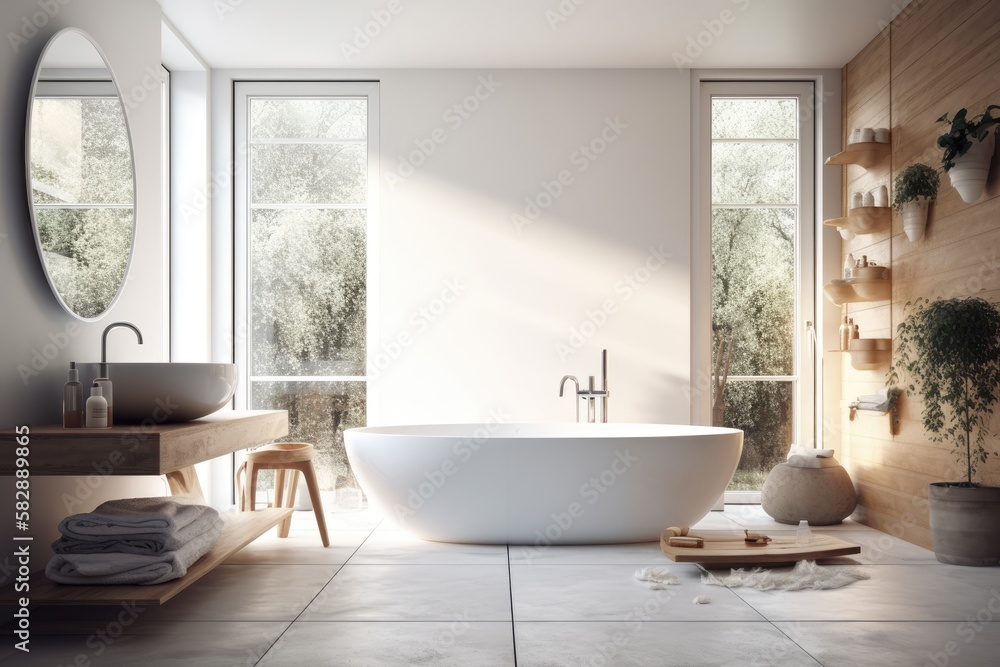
x=576, y=391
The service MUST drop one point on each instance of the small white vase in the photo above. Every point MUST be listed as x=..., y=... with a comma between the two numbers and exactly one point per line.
x=915, y=218
x=969, y=174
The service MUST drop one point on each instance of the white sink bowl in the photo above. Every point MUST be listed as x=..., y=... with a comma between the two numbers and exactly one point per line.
x=157, y=393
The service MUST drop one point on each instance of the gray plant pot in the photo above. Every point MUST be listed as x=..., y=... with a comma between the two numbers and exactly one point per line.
x=965, y=524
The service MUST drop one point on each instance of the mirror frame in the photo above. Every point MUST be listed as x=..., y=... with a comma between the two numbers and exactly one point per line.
x=27, y=171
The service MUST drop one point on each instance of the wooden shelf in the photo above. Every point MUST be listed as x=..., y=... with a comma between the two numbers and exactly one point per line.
x=239, y=529
x=138, y=450
x=864, y=220
x=722, y=549
x=866, y=154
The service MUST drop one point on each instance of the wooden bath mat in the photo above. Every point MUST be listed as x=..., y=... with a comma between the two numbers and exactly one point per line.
x=728, y=549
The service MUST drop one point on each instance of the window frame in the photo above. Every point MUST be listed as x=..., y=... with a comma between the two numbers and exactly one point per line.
x=806, y=408
x=243, y=92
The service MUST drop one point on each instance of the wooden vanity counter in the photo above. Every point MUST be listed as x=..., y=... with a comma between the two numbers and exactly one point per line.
x=164, y=449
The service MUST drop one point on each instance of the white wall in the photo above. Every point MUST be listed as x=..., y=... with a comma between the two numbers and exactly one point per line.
x=30, y=316
x=521, y=292
x=525, y=289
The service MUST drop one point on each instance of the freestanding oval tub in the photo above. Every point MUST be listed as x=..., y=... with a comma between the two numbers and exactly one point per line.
x=543, y=484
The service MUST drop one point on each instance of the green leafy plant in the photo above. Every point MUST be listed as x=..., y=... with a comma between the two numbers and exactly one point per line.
x=958, y=140
x=951, y=350
x=917, y=180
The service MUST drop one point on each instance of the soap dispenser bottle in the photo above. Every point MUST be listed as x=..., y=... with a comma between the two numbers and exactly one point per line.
x=107, y=391
x=72, y=408
x=97, y=408
x=845, y=333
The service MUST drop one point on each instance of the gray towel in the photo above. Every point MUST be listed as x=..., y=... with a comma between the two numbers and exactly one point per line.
x=144, y=526
x=130, y=569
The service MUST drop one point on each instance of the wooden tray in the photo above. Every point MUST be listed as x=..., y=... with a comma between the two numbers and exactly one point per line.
x=729, y=550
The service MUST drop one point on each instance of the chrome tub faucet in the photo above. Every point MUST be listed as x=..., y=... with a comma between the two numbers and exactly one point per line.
x=591, y=394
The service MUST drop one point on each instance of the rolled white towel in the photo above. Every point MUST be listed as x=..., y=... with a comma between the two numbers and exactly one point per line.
x=810, y=452
x=811, y=462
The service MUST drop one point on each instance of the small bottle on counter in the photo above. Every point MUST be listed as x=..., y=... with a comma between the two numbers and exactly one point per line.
x=803, y=534
x=855, y=334
x=845, y=333
x=849, y=266
x=72, y=408
x=106, y=390
x=97, y=408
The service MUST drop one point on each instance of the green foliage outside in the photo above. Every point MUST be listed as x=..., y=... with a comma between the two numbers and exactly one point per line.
x=753, y=273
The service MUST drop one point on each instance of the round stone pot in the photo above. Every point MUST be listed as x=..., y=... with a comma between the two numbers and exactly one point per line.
x=965, y=524
x=821, y=496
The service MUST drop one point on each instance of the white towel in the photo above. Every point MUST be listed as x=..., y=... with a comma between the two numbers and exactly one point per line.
x=129, y=569
x=810, y=452
x=144, y=526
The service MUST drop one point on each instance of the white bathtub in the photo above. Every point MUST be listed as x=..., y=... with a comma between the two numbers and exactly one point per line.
x=543, y=484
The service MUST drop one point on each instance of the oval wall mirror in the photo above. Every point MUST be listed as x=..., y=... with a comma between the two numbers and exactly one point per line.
x=80, y=174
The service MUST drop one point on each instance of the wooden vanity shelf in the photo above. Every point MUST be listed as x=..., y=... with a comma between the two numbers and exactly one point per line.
x=864, y=220
x=865, y=154
x=165, y=449
x=857, y=291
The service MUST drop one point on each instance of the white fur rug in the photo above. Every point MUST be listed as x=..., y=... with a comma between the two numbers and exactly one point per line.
x=806, y=575
x=658, y=579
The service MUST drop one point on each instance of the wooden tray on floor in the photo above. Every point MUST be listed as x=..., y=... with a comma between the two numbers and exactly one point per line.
x=726, y=549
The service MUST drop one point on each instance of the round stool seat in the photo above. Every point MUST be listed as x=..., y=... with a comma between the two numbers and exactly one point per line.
x=283, y=452
x=821, y=496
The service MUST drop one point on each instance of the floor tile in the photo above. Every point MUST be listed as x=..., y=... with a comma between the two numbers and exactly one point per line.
x=716, y=521
x=247, y=593
x=894, y=592
x=883, y=549
x=414, y=593
x=655, y=643
x=462, y=643
x=896, y=644
x=755, y=518
x=611, y=593
x=158, y=644
x=301, y=547
x=642, y=553
x=394, y=546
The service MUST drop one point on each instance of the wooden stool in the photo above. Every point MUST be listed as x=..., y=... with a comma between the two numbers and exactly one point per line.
x=282, y=456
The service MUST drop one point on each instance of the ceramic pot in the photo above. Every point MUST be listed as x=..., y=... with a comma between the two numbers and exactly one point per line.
x=965, y=524
x=969, y=174
x=915, y=218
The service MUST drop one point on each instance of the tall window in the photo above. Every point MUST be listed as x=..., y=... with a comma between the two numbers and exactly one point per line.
x=305, y=163
x=761, y=219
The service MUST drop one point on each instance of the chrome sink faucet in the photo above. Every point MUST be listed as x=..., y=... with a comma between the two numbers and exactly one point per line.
x=107, y=329
x=591, y=394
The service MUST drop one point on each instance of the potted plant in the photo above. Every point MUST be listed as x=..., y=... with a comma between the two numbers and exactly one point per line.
x=966, y=161
x=914, y=188
x=951, y=352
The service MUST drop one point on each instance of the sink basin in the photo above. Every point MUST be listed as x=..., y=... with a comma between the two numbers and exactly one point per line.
x=156, y=393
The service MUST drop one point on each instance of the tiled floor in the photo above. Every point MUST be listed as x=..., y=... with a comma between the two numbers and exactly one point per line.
x=379, y=597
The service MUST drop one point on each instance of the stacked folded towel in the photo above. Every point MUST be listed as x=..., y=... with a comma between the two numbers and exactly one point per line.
x=133, y=541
